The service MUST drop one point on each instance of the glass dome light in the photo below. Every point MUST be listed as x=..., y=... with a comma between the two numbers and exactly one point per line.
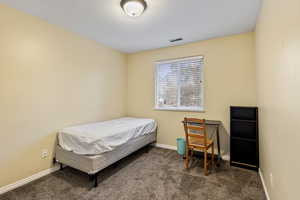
x=133, y=8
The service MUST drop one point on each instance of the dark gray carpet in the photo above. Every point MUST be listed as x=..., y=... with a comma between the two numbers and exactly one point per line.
x=158, y=174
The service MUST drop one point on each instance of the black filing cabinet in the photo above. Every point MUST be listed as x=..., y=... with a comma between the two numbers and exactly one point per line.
x=244, y=149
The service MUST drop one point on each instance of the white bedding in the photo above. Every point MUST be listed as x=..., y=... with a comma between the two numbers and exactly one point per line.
x=96, y=138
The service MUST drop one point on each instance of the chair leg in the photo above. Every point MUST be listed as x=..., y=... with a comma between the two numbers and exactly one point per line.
x=213, y=156
x=205, y=163
x=187, y=159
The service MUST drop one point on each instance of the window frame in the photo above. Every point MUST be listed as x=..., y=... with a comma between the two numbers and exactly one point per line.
x=181, y=108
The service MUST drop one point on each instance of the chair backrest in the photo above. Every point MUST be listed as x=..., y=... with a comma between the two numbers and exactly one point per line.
x=195, y=128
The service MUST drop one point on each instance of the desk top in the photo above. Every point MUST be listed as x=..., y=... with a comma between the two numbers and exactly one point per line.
x=211, y=122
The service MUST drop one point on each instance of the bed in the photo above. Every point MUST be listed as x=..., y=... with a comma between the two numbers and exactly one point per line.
x=93, y=147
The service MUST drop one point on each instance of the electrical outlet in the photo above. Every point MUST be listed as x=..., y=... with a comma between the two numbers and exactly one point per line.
x=44, y=153
x=271, y=179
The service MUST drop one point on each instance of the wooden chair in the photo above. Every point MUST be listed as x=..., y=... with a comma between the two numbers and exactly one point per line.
x=196, y=139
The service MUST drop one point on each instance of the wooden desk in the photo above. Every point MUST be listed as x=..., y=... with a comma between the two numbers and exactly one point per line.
x=216, y=124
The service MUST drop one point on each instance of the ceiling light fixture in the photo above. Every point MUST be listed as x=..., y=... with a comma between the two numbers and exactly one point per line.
x=133, y=8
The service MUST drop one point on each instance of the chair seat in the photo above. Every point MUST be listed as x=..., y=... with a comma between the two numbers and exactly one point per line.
x=199, y=142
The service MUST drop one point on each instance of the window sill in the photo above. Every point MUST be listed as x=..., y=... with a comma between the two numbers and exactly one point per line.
x=180, y=110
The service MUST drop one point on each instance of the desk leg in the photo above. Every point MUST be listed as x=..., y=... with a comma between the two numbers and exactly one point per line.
x=219, y=149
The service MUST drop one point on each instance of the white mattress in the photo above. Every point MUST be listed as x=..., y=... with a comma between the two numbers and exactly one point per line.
x=97, y=138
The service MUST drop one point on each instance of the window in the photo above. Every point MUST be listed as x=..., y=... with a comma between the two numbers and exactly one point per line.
x=179, y=84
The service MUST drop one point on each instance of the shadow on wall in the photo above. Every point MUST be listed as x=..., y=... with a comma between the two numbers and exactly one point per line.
x=224, y=139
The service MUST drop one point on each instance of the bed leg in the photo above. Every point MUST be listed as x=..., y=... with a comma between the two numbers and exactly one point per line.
x=96, y=180
x=91, y=177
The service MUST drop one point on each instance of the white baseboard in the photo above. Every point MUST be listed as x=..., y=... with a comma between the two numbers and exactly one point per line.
x=264, y=184
x=165, y=146
x=29, y=179
x=38, y=175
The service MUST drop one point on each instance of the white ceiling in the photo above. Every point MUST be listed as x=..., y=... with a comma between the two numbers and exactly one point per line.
x=105, y=22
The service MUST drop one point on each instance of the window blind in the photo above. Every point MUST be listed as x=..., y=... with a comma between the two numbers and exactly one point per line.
x=179, y=84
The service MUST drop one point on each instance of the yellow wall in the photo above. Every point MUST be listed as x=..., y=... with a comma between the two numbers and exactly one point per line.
x=229, y=80
x=49, y=79
x=278, y=69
